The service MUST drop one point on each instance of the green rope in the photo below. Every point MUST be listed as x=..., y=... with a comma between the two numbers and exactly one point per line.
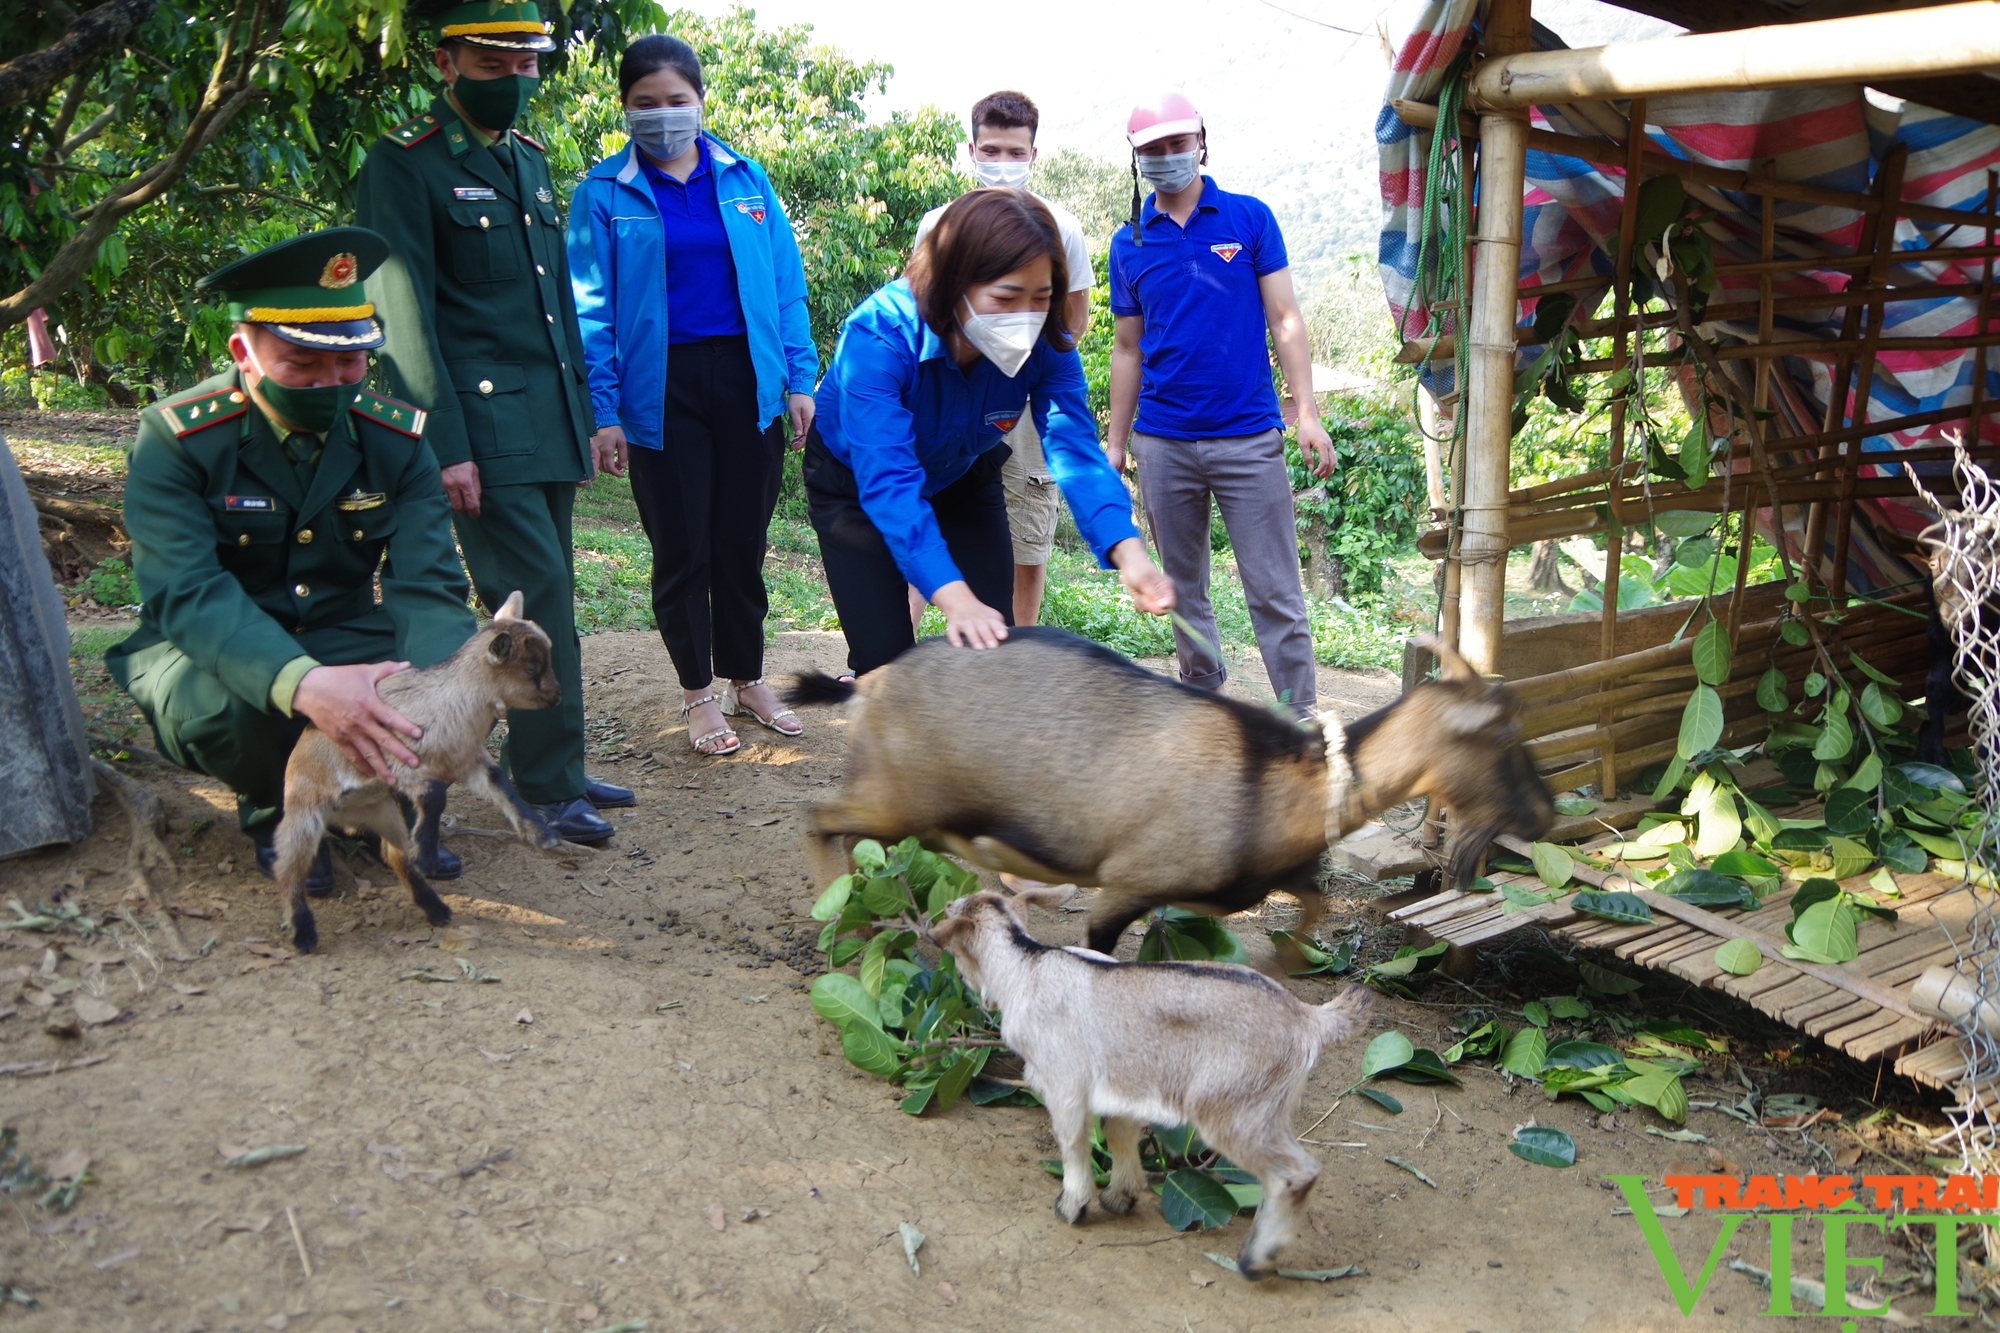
x=1444, y=224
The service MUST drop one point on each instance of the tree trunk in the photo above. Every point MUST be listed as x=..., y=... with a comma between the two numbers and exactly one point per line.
x=1545, y=570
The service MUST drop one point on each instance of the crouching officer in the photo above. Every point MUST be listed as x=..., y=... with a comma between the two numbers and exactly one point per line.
x=482, y=333
x=261, y=504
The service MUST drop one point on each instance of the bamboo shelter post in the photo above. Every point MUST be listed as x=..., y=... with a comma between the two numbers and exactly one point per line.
x=1489, y=391
x=1614, y=543
x=1850, y=469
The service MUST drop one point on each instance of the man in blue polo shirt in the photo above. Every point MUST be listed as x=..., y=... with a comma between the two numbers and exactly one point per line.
x=1197, y=279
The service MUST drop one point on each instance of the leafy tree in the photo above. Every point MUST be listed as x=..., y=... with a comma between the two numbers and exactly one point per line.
x=145, y=142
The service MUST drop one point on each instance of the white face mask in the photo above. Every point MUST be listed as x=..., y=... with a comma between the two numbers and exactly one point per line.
x=1005, y=340
x=664, y=131
x=1171, y=173
x=1000, y=172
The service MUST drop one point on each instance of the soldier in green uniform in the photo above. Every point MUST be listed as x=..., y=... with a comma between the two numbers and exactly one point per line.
x=262, y=503
x=482, y=334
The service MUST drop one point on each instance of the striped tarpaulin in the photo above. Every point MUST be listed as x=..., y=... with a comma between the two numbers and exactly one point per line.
x=1828, y=136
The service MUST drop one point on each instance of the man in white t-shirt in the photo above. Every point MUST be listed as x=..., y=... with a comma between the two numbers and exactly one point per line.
x=1002, y=151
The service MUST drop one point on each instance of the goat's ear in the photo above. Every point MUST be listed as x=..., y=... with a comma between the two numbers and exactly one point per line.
x=1044, y=895
x=1451, y=665
x=511, y=608
x=1471, y=717
x=949, y=929
x=501, y=648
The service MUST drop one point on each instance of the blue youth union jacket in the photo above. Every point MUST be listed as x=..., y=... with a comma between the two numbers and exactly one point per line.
x=897, y=410
x=617, y=262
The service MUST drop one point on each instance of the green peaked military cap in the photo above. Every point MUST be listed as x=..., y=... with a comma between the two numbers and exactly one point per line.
x=308, y=290
x=506, y=25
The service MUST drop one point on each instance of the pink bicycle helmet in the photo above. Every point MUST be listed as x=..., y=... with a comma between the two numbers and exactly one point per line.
x=1168, y=114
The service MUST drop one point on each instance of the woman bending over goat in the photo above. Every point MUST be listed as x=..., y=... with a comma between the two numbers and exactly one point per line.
x=902, y=469
x=1212, y=1045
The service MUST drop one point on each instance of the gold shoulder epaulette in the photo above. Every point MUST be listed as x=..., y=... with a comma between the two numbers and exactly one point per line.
x=413, y=130
x=394, y=413
x=530, y=142
x=191, y=413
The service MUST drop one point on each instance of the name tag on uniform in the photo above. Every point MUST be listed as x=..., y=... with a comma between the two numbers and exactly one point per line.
x=262, y=502
x=351, y=503
x=473, y=192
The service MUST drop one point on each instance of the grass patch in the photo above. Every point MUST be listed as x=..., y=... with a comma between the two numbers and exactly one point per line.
x=614, y=565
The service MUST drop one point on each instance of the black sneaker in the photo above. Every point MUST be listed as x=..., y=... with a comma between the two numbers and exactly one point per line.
x=575, y=821
x=319, y=879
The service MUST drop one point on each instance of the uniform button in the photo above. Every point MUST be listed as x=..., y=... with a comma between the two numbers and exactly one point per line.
x=236, y=396
x=539, y=269
x=525, y=218
x=550, y=318
x=357, y=534
x=243, y=539
x=483, y=222
x=301, y=590
x=486, y=386
x=305, y=536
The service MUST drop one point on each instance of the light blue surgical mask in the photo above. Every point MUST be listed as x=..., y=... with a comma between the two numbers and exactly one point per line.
x=664, y=131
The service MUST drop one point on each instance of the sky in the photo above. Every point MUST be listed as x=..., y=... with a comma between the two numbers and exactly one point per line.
x=1278, y=87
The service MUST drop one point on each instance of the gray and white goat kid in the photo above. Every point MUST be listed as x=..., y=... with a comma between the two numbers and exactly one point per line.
x=1214, y=1045
x=456, y=702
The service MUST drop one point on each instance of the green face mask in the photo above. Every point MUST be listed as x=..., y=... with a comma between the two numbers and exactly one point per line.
x=307, y=409
x=494, y=104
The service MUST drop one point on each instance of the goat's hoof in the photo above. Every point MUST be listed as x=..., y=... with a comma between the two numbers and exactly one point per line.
x=1117, y=1202
x=305, y=935
x=1256, y=1270
x=1071, y=1212
x=547, y=841
x=435, y=910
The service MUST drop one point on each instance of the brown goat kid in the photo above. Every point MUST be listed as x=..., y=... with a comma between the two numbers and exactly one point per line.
x=1055, y=758
x=506, y=665
x=1212, y=1045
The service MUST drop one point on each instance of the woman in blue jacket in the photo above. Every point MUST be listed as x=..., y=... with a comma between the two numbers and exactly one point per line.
x=692, y=302
x=903, y=469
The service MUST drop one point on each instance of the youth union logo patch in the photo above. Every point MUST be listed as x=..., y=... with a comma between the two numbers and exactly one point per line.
x=1228, y=250
x=1004, y=421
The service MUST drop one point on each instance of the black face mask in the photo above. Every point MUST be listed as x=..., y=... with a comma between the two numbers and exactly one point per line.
x=494, y=104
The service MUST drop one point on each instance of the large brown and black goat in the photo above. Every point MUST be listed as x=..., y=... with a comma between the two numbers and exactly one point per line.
x=1055, y=758
x=457, y=702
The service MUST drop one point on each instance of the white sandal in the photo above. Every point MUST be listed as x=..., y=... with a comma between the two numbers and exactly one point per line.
x=733, y=706
x=697, y=742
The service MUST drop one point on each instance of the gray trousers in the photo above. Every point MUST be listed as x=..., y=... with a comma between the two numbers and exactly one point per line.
x=1246, y=476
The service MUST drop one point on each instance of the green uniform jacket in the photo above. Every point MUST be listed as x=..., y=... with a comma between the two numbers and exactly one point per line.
x=476, y=301
x=244, y=569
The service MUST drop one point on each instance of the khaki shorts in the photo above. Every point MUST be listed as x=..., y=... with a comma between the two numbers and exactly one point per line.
x=1031, y=495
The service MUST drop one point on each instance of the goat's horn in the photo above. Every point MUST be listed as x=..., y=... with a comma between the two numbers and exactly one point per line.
x=1453, y=667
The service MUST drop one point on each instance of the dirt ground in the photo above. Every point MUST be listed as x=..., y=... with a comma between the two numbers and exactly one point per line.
x=641, y=1118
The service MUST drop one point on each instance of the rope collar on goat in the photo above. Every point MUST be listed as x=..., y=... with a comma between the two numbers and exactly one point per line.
x=1345, y=806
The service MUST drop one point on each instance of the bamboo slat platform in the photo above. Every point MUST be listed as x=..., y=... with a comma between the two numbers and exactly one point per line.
x=1934, y=909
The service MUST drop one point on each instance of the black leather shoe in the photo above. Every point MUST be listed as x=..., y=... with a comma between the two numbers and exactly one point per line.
x=319, y=879
x=441, y=864
x=607, y=797
x=438, y=863
x=575, y=821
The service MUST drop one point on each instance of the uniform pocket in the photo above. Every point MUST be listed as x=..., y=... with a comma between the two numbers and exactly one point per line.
x=485, y=245
x=251, y=545
x=494, y=397
x=365, y=526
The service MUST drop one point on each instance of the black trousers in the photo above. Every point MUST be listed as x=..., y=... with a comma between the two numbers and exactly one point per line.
x=868, y=590
x=705, y=500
